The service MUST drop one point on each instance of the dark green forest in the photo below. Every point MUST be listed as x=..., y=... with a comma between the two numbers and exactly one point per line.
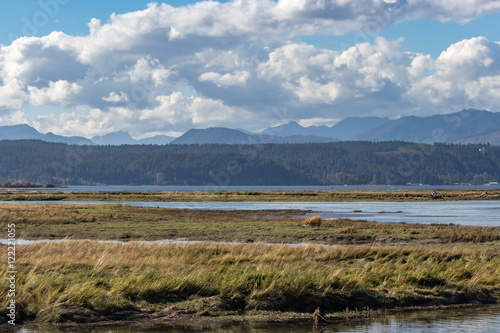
x=336, y=163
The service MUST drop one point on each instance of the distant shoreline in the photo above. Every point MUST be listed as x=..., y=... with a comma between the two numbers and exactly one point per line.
x=249, y=196
x=27, y=185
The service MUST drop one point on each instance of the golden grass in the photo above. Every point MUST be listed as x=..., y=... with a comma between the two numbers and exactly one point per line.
x=69, y=281
x=466, y=233
x=314, y=221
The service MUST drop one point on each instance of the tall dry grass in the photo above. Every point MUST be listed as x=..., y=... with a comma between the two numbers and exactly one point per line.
x=70, y=280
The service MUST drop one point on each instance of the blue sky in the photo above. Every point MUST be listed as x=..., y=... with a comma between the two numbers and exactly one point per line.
x=154, y=69
x=432, y=37
x=73, y=18
x=429, y=37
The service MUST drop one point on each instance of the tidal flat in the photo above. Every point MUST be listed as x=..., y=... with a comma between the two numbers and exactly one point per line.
x=126, y=223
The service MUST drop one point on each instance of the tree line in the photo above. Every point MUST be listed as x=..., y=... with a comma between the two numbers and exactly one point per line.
x=338, y=163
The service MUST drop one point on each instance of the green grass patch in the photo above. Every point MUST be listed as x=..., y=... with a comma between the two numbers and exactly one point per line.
x=285, y=226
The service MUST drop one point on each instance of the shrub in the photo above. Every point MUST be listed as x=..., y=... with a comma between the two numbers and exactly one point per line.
x=314, y=221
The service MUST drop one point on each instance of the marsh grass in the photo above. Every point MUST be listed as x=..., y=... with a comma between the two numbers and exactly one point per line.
x=82, y=281
x=286, y=226
x=314, y=221
x=304, y=196
x=466, y=234
x=75, y=281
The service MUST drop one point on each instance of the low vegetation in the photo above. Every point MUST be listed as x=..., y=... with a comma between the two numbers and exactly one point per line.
x=239, y=196
x=314, y=221
x=122, y=222
x=87, y=280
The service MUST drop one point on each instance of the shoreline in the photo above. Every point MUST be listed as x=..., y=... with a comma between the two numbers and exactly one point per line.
x=249, y=196
x=304, y=319
x=126, y=223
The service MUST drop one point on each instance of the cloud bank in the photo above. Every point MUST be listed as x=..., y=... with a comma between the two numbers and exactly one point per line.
x=167, y=69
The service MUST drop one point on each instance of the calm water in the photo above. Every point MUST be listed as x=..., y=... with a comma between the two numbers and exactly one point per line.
x=477, y=213
x=266, y=188
x=484, y=319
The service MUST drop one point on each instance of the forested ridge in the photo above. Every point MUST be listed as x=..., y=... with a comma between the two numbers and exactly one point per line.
x=267, y=164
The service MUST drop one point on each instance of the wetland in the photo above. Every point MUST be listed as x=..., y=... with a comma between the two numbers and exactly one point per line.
x=252, y=265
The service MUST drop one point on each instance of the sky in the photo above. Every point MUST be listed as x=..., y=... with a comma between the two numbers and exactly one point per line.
x=87, y=68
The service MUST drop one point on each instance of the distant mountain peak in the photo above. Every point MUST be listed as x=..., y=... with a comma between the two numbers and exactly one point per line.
x=466, y=126
x=114, y=138
x=451, y=127
x=124, y=138
x=26, y=132
x=290, y=128
x=343, y=130
x=216, y=135
x=221, y=135
x=19, y=127
x=289, y=124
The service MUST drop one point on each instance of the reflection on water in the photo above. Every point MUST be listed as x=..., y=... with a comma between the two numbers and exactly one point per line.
x=484, y=319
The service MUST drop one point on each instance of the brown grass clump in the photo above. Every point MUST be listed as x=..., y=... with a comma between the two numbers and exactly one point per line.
x=314, y=221
x=456, y=233
x=349, y=230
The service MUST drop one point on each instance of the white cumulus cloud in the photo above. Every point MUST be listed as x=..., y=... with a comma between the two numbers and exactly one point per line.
x=113, y=97
x=59, y=92
x=237, y=60
x=237, y=78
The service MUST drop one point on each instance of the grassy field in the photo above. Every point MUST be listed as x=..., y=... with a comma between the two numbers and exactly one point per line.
x=378, y=266
x=86, y=280
x=117, y=222
x=290, y=196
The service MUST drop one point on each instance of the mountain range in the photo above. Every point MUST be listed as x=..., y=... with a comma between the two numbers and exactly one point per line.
x=221, y=135
x=25, y=132
x=467, y=126
x=346, y=129
x=124, y=138
x=448, y=128
x=492, y=138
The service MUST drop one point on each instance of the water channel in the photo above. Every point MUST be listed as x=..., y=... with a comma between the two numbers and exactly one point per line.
x=485, y=319
x=475, y=213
